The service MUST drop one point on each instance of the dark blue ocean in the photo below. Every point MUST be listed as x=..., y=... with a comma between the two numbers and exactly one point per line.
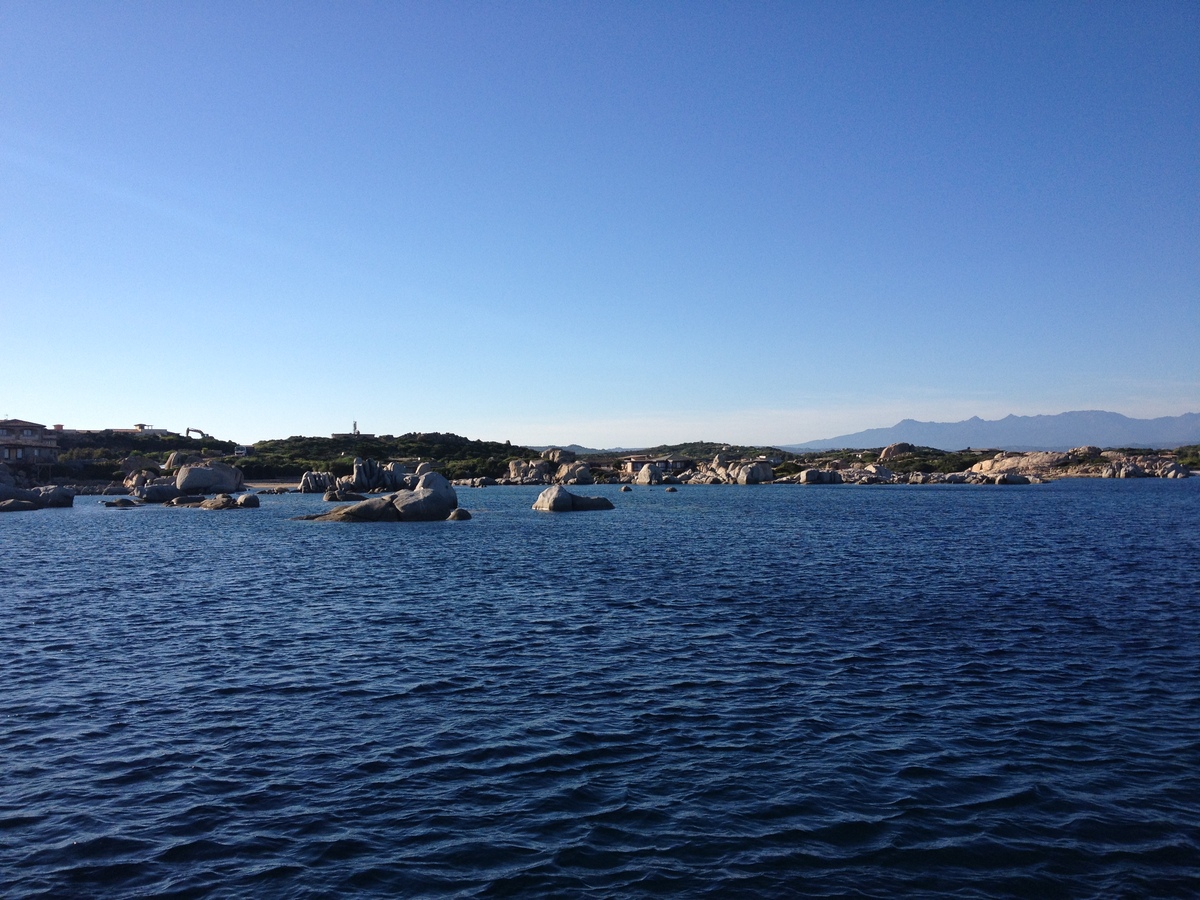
x=768, y=691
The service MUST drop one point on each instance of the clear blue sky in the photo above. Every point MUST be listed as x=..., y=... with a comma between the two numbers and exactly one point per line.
x=604, y=223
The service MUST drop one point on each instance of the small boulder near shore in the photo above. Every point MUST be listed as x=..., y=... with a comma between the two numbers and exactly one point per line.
x=559, y=499
x=14, y=499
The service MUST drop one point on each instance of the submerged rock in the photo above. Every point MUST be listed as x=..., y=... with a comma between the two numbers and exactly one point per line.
x=157, y=493
x=185, y=501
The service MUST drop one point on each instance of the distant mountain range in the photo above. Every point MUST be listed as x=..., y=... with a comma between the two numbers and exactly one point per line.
x=1059, y=432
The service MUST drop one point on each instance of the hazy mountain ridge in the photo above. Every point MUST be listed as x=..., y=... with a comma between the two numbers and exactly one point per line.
x=1055, y=432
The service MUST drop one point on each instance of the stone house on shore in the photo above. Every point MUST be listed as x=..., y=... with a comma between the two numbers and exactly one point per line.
x=27, y=443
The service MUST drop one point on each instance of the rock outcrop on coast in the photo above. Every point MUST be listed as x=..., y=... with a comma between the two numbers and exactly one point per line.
x=1006, y=467
x=721, y=470
x=368, y=476
x=185, y=487
x=1082, y=462
x=432, y=499
x=20, y=499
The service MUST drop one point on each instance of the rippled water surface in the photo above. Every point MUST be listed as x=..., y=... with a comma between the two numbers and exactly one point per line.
x=955, y=691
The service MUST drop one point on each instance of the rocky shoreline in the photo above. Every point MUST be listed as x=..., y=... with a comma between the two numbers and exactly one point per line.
x=191, y=482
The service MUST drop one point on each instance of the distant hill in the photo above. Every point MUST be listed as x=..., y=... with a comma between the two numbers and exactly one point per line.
x=1058, y=432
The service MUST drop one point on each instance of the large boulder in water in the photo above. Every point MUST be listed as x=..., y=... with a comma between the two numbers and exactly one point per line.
x=377, y=509
x=421, y=505
x=213, y=477
x=432, y=501
x=19, y=494
x=649, y=474
x=559, y=499
x=56, y=495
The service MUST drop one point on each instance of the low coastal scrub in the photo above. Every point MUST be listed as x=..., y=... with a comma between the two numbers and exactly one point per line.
x=1189, y=456
x=451, y=454
x=98, y=456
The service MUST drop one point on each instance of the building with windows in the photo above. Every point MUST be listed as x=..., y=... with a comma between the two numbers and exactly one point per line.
x=668, y=465
x=27, y=443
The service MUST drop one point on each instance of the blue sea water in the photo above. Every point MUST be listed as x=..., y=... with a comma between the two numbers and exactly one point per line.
x=769, y=691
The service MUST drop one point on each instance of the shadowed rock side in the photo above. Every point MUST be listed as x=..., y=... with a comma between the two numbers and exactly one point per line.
x=431, y=500
x=15, y=499
x=559, y=499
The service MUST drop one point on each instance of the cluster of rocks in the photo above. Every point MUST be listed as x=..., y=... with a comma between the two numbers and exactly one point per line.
x=227, y=501
x=482, y=481
x=20, y=499
x=556, y=466
x=197, y=501
x=1006, y=467
x=1083, y=462
x=431, y=499
x=722, y=470
x=560, y=467
x=316, y=482
x=368, y=477
x=1144, y=467
x=877, y=474
x=188, y=485
x=193, y=479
